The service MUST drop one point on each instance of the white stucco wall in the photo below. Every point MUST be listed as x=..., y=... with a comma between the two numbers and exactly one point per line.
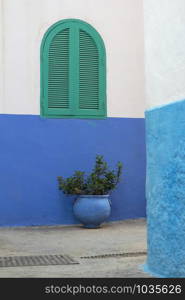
x=164, y=51
x=120, y=23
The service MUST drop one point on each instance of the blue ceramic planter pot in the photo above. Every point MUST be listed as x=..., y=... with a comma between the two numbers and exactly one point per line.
x=92, y=210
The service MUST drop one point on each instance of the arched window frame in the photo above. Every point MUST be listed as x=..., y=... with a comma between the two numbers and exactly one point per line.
x=74, y=111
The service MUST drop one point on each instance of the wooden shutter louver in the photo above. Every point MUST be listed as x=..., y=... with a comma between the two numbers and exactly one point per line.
x=58, y=71
x=88, y=72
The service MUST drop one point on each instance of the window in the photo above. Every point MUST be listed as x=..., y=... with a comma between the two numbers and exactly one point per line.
x=73, y=71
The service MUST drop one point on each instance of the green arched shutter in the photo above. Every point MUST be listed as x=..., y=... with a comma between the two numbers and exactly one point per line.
x=73, y=73
x=88, y=72
x=58, y=71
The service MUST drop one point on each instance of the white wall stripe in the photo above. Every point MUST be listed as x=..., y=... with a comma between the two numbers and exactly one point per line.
x=164, y=60
x=119, y=22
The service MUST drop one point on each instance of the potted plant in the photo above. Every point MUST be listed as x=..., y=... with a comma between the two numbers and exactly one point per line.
x=92, y=205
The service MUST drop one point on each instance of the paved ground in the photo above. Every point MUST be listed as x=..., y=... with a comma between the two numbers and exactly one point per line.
x=113, y=238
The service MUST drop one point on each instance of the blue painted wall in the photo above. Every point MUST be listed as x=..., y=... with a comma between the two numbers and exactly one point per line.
x=34, y=151
x=165, y=128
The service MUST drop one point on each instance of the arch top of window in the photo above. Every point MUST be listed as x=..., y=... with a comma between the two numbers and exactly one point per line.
x=67, y=23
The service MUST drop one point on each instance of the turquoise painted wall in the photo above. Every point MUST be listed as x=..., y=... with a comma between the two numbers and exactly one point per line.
x=165, y=190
